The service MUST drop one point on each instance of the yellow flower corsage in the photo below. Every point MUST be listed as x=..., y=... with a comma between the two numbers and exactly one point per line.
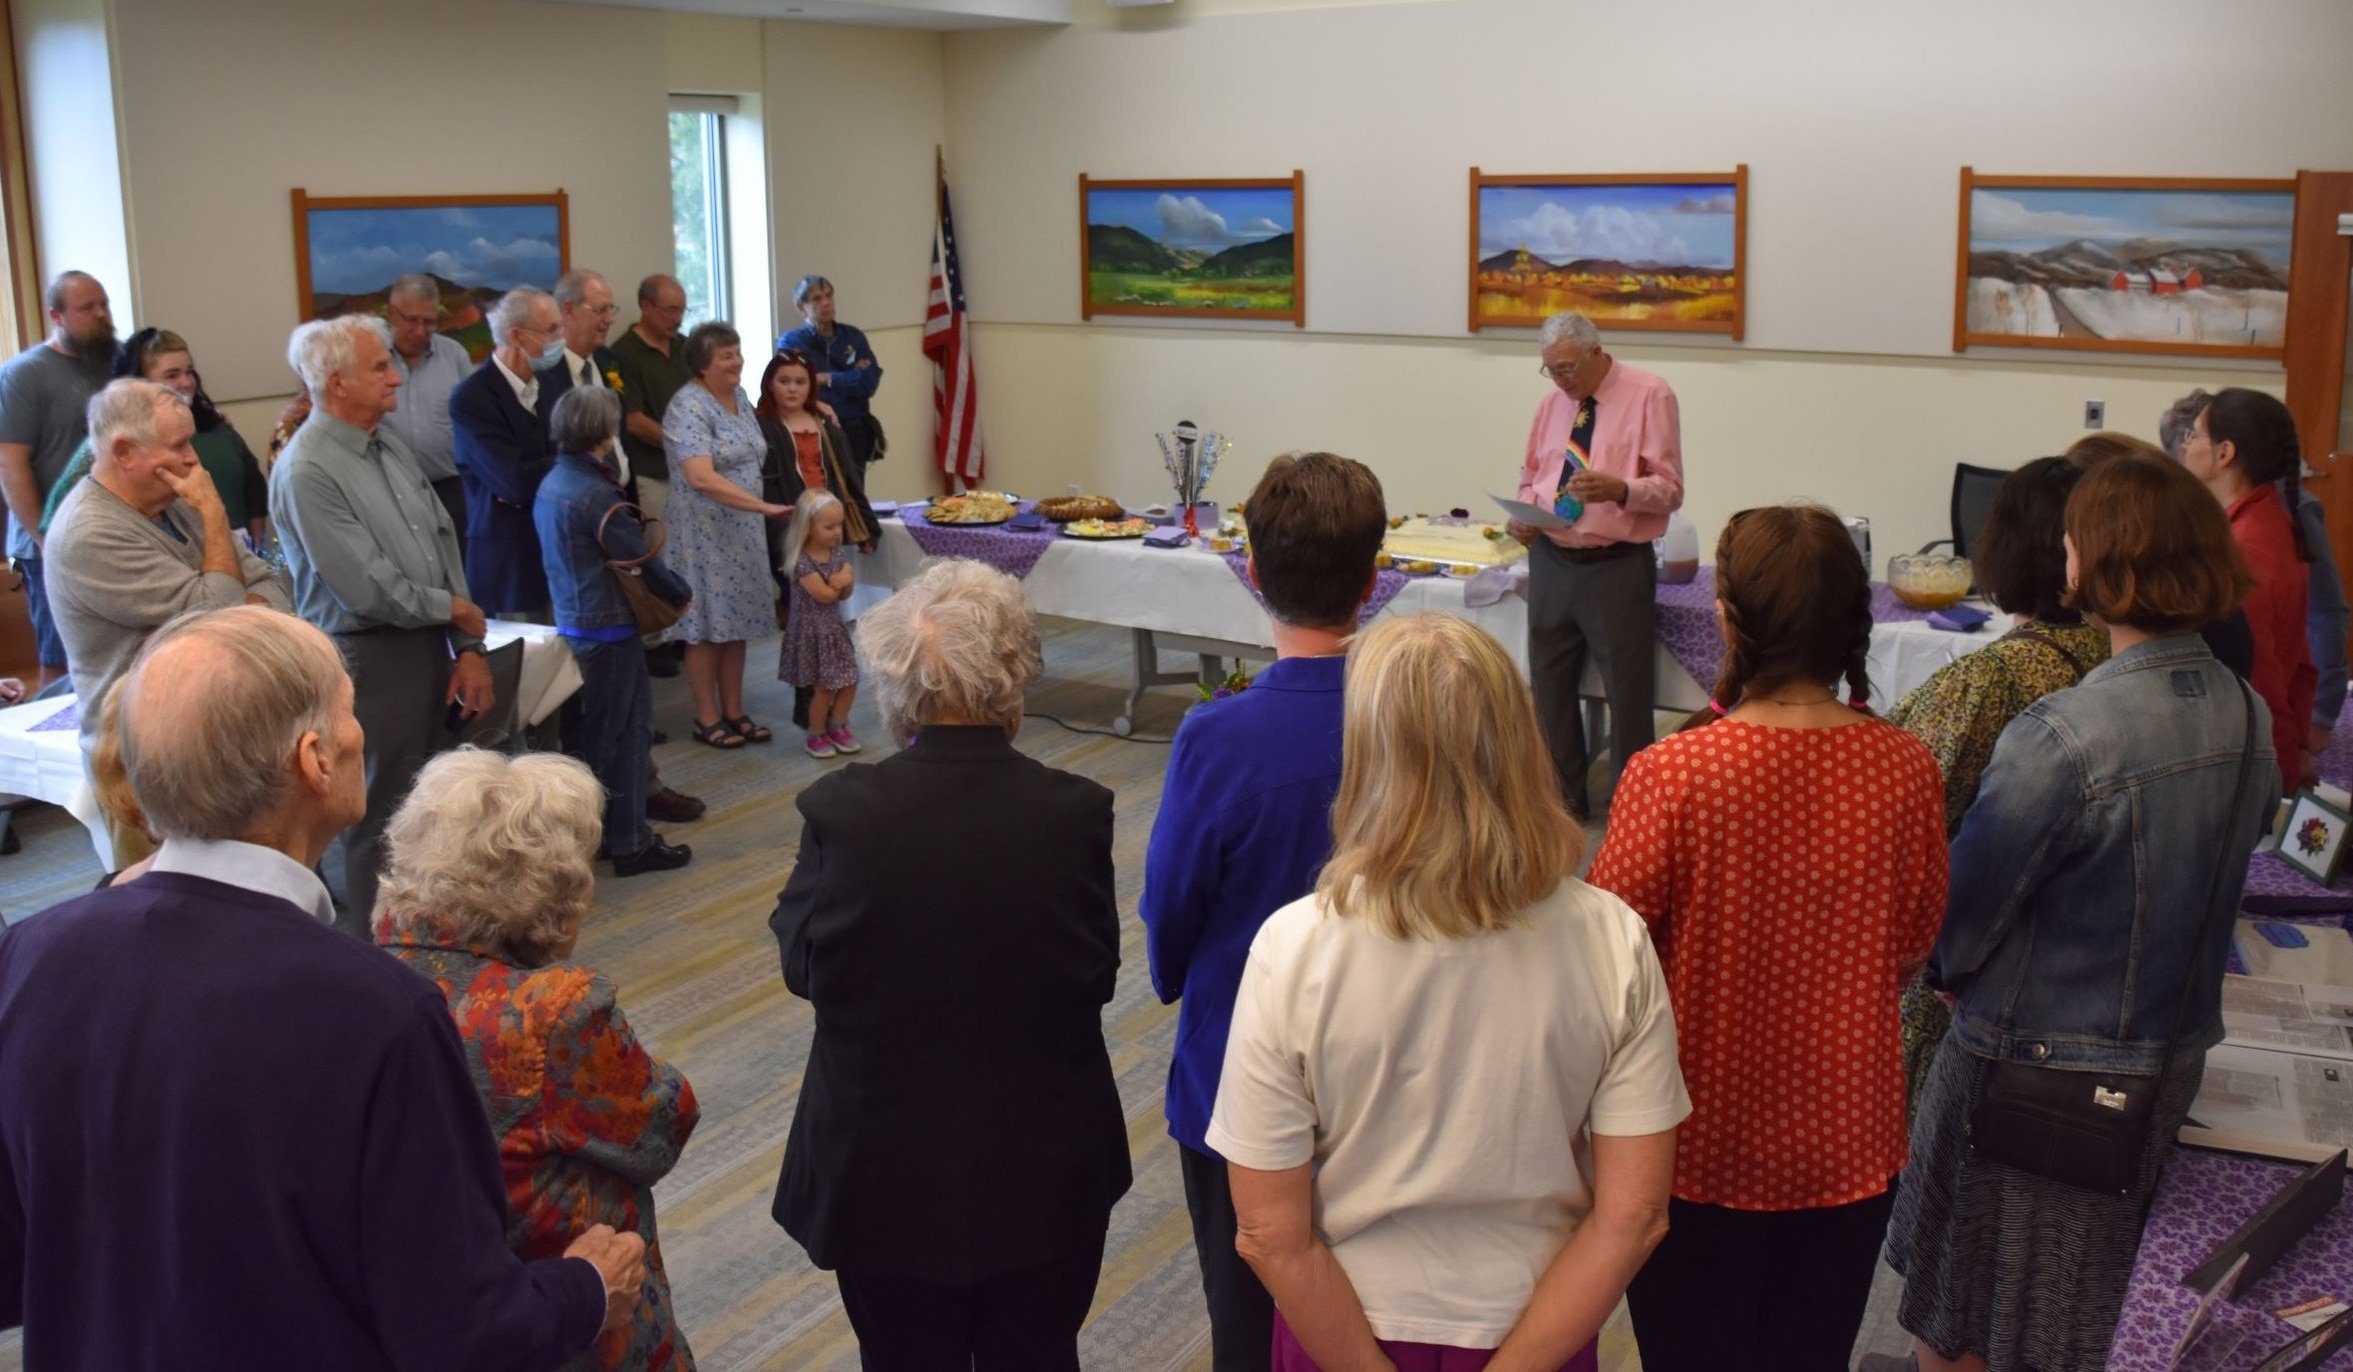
x=613, y=379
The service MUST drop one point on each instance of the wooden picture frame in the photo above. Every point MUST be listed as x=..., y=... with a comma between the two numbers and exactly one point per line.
x=1164, y=271
x=2189, y=266
x=2313, y=839
x=349, y=249
x=1534, y=254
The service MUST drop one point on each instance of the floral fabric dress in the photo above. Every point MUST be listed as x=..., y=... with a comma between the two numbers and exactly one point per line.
x=1959, y=713
x=585, y=1119
x=817, y=649
x=722, y=552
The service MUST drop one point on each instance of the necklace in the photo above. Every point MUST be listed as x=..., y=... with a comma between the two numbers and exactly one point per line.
x=1791, y=704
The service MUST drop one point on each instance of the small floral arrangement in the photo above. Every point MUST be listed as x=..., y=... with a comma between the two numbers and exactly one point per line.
x=613, y=379
x=1236, y=682
x=2311, y=836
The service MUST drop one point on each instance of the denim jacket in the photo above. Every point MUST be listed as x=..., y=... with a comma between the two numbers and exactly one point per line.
x=574, y=496
x=2080, y=876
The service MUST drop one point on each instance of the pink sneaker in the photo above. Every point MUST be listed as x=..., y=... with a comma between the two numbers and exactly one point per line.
x=846, y=742
x=821, y=746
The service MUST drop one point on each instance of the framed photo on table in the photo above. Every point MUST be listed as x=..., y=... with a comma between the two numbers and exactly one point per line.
x=1666, y=251
x=1200, y=249
x=2314, y=840
x=348, y=250
x=2124, y=264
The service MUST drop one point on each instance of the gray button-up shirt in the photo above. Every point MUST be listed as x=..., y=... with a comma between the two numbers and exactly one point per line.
x=368, y=543
x=421, y=418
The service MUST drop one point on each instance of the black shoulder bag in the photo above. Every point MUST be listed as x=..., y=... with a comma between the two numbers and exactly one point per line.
x=2088, y=1129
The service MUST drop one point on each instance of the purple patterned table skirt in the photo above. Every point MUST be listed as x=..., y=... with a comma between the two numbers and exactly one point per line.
x=1687, y=622
x=1386, y=584
x=1014, y=552
x=2200, y=1199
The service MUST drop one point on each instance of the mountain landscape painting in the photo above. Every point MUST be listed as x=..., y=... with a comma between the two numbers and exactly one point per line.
x=2168, y=266
x=1218, y=249
x=348, y=252
x=1628, y=252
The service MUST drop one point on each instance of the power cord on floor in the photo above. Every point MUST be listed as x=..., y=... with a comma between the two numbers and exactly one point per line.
x=1087, y=729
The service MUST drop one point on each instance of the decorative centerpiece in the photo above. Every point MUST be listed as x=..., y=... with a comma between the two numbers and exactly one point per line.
x=1190, y=454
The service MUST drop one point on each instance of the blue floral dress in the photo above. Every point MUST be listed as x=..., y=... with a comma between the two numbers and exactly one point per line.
x=817, y=650
x=722, y=553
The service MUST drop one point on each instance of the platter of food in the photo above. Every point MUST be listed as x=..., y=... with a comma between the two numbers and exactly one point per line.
x=1104, y=530
x=1062, y=509
x=971, y=508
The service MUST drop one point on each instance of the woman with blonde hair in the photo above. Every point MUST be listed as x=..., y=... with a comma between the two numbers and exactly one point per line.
x=1450, y=1095
x=492, y=871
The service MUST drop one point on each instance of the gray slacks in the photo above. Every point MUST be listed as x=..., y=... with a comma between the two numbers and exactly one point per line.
x=1580, y=603
x=398, y=678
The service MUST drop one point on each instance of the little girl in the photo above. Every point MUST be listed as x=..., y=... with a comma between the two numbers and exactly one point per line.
x=817, y=650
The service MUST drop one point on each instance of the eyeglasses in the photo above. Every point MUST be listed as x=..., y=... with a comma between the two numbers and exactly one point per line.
x=1563, y=371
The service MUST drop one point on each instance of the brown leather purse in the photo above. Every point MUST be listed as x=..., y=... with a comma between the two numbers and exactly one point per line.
x=652, y=613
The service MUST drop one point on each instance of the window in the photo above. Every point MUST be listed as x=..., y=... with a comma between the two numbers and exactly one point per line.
x=698, y=206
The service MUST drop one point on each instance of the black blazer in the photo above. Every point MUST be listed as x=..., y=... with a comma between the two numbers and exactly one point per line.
x=502, y=454
x=780, y=476
x=952, y=920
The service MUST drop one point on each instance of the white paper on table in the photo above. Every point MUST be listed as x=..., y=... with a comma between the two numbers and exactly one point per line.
x=2261, y=1013
x=2285, y=1104
x=2325, y=960
x=1534, y=516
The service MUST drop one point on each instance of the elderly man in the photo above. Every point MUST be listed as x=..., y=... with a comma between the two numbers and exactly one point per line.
x=279, y=1158
x=146, y=538
x=652, y=360
x=847, y=374
x=584, y=304
x=502, y=452
x=431, y=364
x=375, y=565
x=1605, y=455
x=44, y=394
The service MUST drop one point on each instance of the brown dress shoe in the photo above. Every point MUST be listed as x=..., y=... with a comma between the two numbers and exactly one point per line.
x=672, y=808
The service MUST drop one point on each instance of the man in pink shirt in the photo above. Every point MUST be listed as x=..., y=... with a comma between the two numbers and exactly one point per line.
x=1606, y=453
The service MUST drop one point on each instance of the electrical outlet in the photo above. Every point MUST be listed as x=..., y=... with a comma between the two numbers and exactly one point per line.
x=2095, y=414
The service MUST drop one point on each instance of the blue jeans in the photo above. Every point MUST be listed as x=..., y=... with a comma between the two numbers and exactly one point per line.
x=617, y=735
x=45, y=635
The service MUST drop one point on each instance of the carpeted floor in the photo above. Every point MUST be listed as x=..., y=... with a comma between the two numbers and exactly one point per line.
x=699, y=980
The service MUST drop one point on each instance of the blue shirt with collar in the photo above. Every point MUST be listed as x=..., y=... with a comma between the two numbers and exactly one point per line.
x=851, y=392
x=1245, y=825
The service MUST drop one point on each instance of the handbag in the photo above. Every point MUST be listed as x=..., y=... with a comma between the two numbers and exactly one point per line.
x=652, y=613
x=2087, y=1129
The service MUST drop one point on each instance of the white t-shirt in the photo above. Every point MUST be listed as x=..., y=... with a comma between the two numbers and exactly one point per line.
x=1444, y=1090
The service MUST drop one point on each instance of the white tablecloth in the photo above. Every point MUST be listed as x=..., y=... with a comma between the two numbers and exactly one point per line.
x=46, y=764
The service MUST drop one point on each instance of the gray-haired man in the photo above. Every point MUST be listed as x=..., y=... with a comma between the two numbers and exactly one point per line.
x=375, y=564
x=431, y=364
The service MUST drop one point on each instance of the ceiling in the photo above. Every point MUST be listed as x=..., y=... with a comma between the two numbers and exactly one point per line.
x=898, y=14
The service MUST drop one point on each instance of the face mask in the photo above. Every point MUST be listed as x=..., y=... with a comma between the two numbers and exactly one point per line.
x=552, y=355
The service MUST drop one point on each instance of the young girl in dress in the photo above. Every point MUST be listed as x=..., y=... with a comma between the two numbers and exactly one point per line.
x=817, y=651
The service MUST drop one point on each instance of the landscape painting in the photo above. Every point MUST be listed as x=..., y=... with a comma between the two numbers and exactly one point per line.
x=2123, y=265
x=1224, y=249
x=349, y=251
x=1628, y=252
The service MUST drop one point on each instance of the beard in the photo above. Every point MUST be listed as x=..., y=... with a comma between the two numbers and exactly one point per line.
x=95, y=346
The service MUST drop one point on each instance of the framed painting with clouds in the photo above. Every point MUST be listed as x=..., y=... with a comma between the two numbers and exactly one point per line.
x=2124, y=264
x=1200, y=249
x=349, y=250
x=1627, y=251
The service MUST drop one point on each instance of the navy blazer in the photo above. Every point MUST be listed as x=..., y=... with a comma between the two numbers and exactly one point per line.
x=502, y=453
x=556, y=380
x=267, y=1151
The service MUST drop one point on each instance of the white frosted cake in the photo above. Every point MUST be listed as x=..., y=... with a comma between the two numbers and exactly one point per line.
x=1455, y=542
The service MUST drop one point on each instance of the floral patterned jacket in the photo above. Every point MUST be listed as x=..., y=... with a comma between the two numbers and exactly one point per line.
x=585, y=1119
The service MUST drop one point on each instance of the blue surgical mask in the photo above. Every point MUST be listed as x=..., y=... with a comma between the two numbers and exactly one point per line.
x=552, y=355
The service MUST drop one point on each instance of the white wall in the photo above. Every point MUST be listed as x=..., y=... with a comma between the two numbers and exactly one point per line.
x=230, y=104
x=73, y=164
x=1853, y=115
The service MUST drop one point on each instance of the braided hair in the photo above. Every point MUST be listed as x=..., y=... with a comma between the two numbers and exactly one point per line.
x=1796, y=605
x=2262, y=433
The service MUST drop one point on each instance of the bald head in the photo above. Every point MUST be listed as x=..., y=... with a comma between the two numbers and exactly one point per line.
x=213, y=713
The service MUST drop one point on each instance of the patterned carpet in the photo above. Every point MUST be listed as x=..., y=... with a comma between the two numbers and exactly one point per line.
x=700, y=981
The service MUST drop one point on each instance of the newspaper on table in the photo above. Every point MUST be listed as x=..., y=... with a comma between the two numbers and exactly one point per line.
x=2281, y=1081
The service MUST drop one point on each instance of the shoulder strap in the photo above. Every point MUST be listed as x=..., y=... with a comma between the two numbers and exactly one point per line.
x=655, y=536
x=2051, y=641
x=2181, y=1002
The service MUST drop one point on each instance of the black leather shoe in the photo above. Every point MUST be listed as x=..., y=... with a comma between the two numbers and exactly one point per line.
x=656, y=856
x=670, y=807
x=660, y=738
x=802, y=695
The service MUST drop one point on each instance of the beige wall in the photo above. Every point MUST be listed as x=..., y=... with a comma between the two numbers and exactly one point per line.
x=1853, y=115
x=229, y=104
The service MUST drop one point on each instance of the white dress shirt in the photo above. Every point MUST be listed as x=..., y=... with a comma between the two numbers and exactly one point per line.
x=584, y=373
x=249, y=867
x=526, y=386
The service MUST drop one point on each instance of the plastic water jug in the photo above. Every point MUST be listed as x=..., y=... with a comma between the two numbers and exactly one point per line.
x=1677, y=551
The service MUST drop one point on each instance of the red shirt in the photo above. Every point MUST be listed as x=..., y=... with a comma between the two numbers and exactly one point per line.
x=1794, y=880
x=2284, y=675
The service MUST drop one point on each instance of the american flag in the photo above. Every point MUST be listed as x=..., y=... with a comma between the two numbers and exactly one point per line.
x=947, y=341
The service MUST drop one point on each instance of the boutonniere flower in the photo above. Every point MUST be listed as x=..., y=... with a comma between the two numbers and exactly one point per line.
x=613, y=378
